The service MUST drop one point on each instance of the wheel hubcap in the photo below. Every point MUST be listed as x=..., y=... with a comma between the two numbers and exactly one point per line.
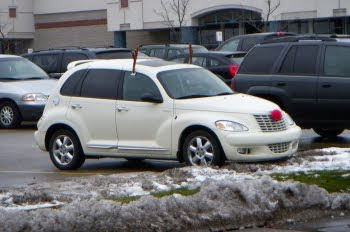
x=63, y=150
x=6, y=115
x=200, y=151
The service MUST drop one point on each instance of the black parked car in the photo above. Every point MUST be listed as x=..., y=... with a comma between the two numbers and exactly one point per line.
x=55, y=61
x=168, y=51
x=308, y=76
x=246, y=42
x=224, y=64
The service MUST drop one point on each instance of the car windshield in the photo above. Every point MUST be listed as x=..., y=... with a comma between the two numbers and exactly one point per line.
x=20, y=69
x=192, y=83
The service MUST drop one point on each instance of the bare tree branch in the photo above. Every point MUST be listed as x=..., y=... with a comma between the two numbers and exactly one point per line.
x=173, y=9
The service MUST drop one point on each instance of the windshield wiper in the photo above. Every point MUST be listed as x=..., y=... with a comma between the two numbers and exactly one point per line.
x=193, y=96
x=224, y=93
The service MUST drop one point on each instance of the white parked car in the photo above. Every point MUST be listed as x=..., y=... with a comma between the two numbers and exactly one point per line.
x=165, y=111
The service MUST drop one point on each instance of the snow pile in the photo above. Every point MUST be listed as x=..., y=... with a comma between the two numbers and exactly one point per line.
x=235, y=200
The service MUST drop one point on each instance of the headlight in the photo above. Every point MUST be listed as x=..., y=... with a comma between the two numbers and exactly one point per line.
x=288, y=120
x=34, y=97
x=230, y=126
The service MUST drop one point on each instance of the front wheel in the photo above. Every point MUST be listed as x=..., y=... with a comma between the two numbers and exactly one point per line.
x=328, y=132
x=201, y=148
x=10, y=116
x=65, y=151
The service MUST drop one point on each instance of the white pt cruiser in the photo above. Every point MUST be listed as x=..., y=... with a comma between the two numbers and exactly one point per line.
x=162, y=111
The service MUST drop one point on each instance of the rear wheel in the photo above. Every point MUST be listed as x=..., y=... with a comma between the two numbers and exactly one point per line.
x=10, y=116
x=329, y=132
x=65, y=151
x=201, y=148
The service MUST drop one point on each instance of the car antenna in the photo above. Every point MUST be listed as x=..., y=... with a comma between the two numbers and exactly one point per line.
x=190, y=54
x=135, y=53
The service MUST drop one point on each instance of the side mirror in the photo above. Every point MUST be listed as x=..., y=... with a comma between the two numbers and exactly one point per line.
x=148, y=97
x=55, y=75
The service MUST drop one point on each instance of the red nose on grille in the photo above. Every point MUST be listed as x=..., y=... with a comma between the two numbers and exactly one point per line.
x=276, y=115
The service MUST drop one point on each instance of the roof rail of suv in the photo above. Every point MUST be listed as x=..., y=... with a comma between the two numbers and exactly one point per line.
x=299, y=38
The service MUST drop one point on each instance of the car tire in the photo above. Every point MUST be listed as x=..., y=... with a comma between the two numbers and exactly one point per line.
x=65, y=150
x=328, y=132
x=10, y=116
x=202, y=148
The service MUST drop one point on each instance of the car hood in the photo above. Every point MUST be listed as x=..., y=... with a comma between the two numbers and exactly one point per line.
x=44, y=86
x=236, y=103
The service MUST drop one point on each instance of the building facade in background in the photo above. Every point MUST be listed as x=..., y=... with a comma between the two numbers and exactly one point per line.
x=43, y=24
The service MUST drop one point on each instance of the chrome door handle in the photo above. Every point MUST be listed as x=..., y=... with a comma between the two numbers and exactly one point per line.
x=76, y=106
x=120, y=109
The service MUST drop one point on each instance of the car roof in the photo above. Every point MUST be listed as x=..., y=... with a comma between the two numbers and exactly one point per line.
x=146, y=66
x=170, y=45
x=9, y=56
x=213, y=54
x=81, y=50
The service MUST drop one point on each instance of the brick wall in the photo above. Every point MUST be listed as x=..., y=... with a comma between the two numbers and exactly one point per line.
x=136, y=38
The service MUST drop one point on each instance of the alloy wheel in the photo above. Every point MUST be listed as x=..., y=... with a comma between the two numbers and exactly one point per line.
x=6, y=115
x=200, y=151
x=63, y=150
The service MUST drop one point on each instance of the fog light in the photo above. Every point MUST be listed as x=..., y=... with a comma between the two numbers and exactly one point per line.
x=243, y=151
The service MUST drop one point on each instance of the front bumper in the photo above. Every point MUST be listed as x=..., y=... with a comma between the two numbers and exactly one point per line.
x=31, y=111
x=260, y=146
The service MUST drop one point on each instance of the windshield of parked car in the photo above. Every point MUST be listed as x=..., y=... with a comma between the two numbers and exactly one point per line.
x=20, y=69
x=192, y=83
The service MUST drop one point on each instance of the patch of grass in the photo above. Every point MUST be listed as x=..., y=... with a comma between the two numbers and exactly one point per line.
x=332, y=181
x=181, y=191
x=125, y=200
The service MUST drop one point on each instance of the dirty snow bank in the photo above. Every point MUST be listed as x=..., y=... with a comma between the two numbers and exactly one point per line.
x=225, y=198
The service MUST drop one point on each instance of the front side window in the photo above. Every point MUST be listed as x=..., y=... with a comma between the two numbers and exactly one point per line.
x=230, y=46
x=173, y=52
x=101, y=83
x=336, y=62
x=19, y=69
x=71, y=57
x=260, y=60
x=192, y=83
x=135, y=86
x=49, y=63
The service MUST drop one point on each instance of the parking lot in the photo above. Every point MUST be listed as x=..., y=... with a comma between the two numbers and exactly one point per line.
x=22, y=162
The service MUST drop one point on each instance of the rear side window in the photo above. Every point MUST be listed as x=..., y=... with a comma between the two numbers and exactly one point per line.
x=179, y=60
x=157, y=52
x=250, y=42
x=69, y=88
x=70, y=57
x=173, y=52
x=49, y=62
x=261, y=60
x=200, y=61
x=101, y=83
x=230, y=46
x=300, y=60
x=336, y=61
x=214, y=62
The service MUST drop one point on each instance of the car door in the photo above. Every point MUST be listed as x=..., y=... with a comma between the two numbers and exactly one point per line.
x=93, y=111
x=144, y=128
x=296, y=81
x=334, y=83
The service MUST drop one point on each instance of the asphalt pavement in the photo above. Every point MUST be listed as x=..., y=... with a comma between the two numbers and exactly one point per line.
x=22, y=162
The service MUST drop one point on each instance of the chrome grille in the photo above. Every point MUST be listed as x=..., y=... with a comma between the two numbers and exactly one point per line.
x=279, y=147
x=267, y=124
